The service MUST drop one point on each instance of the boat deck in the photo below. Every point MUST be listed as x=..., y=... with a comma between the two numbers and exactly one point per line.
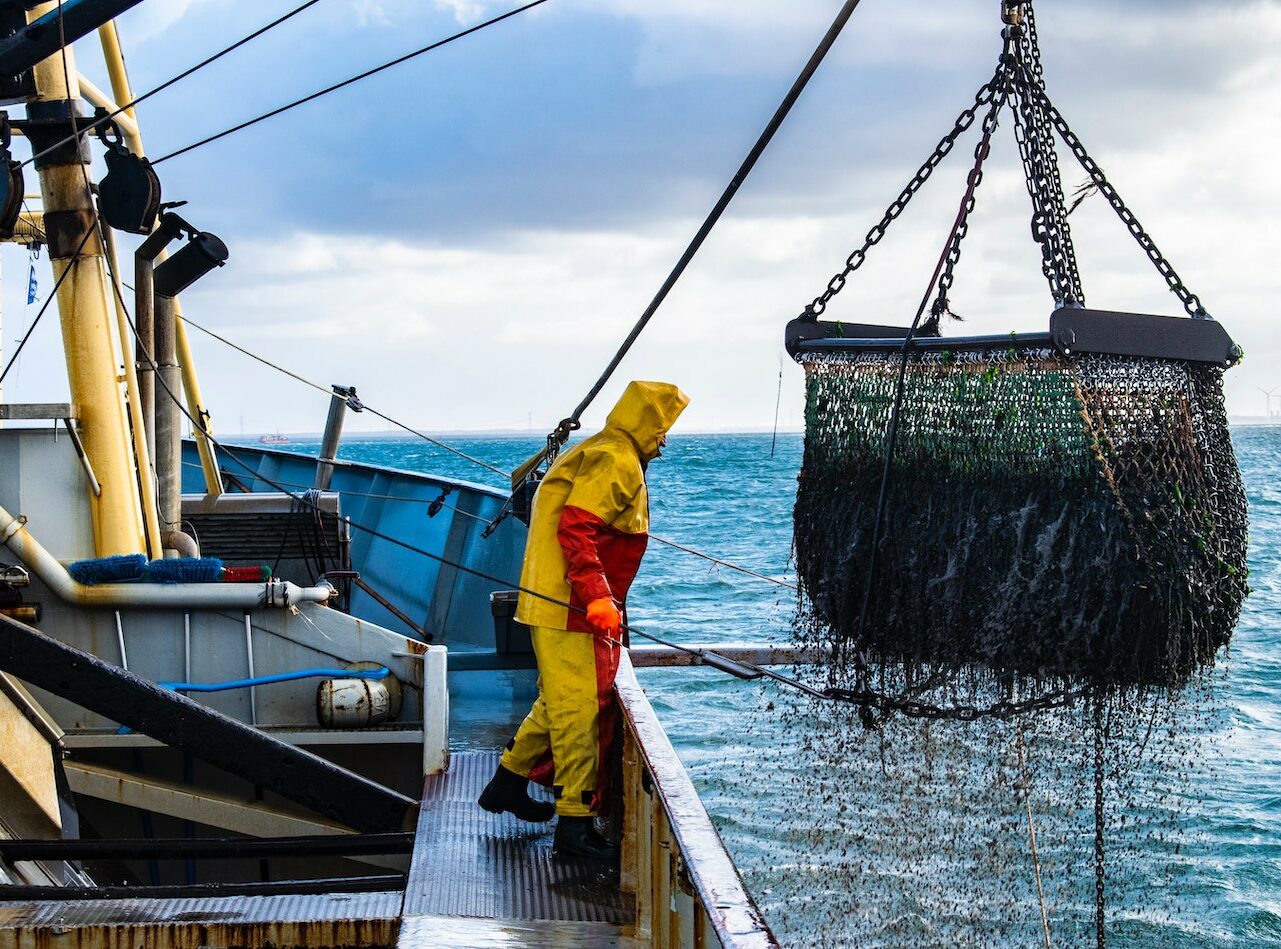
x=481, y=875
x=475, y=880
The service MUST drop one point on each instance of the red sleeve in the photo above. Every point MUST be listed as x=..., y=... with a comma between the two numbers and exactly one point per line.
x=578, y=533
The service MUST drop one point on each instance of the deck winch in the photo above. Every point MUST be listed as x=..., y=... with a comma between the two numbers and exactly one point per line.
x=1055, y=513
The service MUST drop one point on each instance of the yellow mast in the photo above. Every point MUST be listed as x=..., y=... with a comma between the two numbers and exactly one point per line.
x=88, y=333
x=123, y=93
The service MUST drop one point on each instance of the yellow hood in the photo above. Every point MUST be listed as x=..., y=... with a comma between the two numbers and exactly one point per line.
x=647, y=411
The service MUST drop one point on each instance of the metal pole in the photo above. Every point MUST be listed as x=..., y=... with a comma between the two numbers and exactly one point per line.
x=249, y=653
x=137, y=417
x=49, y=25
x=83, y=303
x=123, y=92
x=333, y=434
x=168, y=419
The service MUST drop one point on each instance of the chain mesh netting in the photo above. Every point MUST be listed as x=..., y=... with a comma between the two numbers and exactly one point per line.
x=1051, y=520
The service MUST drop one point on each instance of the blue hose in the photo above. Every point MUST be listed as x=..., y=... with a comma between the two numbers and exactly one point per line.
x=379, y=673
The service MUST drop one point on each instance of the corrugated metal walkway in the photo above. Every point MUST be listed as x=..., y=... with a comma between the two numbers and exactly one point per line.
x=476, y=880
x=468, y=862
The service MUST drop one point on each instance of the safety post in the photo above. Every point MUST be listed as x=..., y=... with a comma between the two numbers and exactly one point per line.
x=343, y=398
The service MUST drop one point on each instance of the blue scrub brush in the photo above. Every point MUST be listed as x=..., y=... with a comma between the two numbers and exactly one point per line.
x=185, y=570
x=121, y=567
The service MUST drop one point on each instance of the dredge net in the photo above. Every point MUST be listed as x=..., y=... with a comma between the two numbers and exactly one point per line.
x=1063, y=550
x=1052, y=522
x=1021, y=564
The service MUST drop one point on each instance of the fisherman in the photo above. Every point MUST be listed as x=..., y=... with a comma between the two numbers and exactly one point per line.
x=587, y=534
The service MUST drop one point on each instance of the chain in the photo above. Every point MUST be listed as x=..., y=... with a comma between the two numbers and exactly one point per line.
x=941, y=305
x=1191, y=302
x=855, y=260
x=1030, y=57
x=1100, y=876
x=1039, y=156
x=918, y=708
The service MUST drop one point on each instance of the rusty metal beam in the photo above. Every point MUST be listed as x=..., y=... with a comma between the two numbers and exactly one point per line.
x=777, y=654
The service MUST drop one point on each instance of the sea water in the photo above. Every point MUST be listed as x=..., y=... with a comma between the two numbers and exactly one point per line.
x=1213, y=881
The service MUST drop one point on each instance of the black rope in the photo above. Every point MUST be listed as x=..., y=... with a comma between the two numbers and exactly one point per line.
x=48, y=300
x=967, y=203
x=731, y=189
x=102, y=120
x=347, y=82
x=461, y=454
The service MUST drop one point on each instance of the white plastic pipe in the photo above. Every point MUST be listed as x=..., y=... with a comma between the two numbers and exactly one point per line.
x=243, y=596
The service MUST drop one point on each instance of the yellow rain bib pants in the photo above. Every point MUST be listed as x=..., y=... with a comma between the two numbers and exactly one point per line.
x=587, y=534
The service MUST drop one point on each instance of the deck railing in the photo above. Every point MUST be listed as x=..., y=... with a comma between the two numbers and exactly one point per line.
x=689, y=893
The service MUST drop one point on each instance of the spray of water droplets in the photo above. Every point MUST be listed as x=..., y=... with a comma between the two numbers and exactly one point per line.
x=1061, y=561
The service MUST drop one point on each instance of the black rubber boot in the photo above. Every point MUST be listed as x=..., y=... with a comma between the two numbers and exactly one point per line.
x=577, y=837
x=508, y=791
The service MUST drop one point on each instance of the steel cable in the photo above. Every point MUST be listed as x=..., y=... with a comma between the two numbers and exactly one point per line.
x=102, y=120
x=347, y=82
x=461, y=454
x=561, y=434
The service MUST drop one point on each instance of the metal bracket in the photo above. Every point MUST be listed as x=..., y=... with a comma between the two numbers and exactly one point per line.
x=94, y=486
x=1072, y=330
x=1078, y=330
x=801, y=331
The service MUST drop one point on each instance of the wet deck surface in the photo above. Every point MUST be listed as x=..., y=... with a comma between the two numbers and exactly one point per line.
x=470, y=863
x=476, y=880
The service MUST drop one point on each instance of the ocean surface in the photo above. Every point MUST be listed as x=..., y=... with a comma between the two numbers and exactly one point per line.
x=918, y=835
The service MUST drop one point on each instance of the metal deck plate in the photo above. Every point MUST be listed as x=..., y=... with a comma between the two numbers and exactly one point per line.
x=474, y=864
x=347, y=919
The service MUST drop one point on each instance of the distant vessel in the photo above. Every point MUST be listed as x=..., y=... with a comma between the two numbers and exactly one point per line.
x=276, y=439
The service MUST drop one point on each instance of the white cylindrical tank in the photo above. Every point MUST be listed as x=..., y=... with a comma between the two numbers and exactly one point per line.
x=353, y=703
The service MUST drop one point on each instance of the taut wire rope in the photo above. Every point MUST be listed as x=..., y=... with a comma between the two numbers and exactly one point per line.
x=347, y=82
x=101, y=120
x=573, y=422
x=746, y=571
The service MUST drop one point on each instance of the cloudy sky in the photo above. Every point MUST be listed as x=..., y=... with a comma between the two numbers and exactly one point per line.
x=466, y=238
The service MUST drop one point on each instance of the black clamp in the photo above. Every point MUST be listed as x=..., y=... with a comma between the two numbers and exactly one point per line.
x=348, y=394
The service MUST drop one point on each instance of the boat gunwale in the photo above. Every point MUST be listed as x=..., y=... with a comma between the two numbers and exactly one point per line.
x=487, y=490
x=734, y=916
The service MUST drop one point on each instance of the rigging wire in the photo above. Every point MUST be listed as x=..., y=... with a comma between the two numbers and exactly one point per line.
x=45, y=306
x=304, y=501
x=776, y=120
x=347, y=82
x=329, y=392
x=406, y=499
x=778, y=402
x=461, y=454
x=102, y=120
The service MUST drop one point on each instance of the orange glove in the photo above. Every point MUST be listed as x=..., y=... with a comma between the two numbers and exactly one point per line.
x=603, y=616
